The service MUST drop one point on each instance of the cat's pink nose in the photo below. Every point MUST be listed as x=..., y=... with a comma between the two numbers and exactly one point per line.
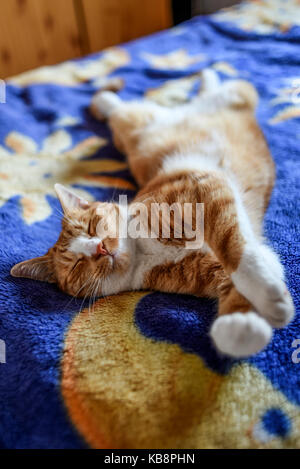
x=101, y=250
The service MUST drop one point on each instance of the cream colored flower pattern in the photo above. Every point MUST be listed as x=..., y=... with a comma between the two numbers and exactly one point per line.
x=289, y=95
x=31, y=172
x=173, y=92
x=263, y=17
x=72, y=73
x=225, y=68
x=175, y=60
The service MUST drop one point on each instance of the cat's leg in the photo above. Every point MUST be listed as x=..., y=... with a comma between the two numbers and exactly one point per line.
x=215, y=94
x=254, y=269
x=104, y=103
x=238, y=330
x=128, y=115
x=127, y=119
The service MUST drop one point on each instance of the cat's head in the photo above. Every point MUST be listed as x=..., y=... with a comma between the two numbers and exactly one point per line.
x=90, y=257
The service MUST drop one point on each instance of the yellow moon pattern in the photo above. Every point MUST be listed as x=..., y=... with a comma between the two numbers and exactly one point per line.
x=124, y=390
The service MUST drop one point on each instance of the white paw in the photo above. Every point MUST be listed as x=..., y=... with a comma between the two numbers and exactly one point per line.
x=240, y=334
x=259, y=278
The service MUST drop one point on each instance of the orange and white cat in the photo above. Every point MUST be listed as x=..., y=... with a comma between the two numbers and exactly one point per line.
x=208, y=151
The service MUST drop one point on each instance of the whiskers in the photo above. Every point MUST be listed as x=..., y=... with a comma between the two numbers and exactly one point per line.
x=75, y=296
x=91, y=293
x=93, y=296
x=62, y=216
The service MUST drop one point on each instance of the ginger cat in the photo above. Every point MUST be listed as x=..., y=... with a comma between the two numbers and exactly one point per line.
x=208, y=151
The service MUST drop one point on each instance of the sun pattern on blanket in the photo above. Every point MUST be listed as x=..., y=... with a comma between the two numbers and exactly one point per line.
x=162, y=392
x=32, y=173
x=175, y=60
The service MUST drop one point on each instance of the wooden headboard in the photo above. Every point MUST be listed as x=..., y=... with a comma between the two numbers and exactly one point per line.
x=43, y=32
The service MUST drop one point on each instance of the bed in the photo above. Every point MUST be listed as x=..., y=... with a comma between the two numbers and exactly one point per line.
x=138, y=370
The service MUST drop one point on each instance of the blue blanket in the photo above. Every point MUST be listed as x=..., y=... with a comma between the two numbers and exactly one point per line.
x=138, y=370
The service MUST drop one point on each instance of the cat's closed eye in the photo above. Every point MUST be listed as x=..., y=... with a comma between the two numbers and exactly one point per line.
x=77, y=263
x=92, y=225
x=90, y=228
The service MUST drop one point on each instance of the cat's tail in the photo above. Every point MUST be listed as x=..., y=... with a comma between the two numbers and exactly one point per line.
x=113, y=85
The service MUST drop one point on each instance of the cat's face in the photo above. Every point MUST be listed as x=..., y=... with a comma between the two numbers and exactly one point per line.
x=90, y=258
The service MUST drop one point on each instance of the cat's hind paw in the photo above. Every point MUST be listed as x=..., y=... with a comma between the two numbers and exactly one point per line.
x=103, y=104
x=240, y=334
x=210, y=80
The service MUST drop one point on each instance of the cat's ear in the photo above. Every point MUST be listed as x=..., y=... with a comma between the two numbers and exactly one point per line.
x=39, y=268
x=69, y=201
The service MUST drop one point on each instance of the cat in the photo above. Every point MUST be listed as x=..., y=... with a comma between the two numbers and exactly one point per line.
x=211, y=151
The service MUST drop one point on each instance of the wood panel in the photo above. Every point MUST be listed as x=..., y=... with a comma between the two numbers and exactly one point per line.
x=44, y=32
x=115, y=21
x=36, y=32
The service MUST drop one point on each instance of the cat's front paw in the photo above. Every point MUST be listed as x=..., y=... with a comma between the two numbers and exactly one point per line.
x=240, y=334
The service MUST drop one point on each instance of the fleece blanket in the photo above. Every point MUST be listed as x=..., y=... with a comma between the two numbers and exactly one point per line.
x=138, y=370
